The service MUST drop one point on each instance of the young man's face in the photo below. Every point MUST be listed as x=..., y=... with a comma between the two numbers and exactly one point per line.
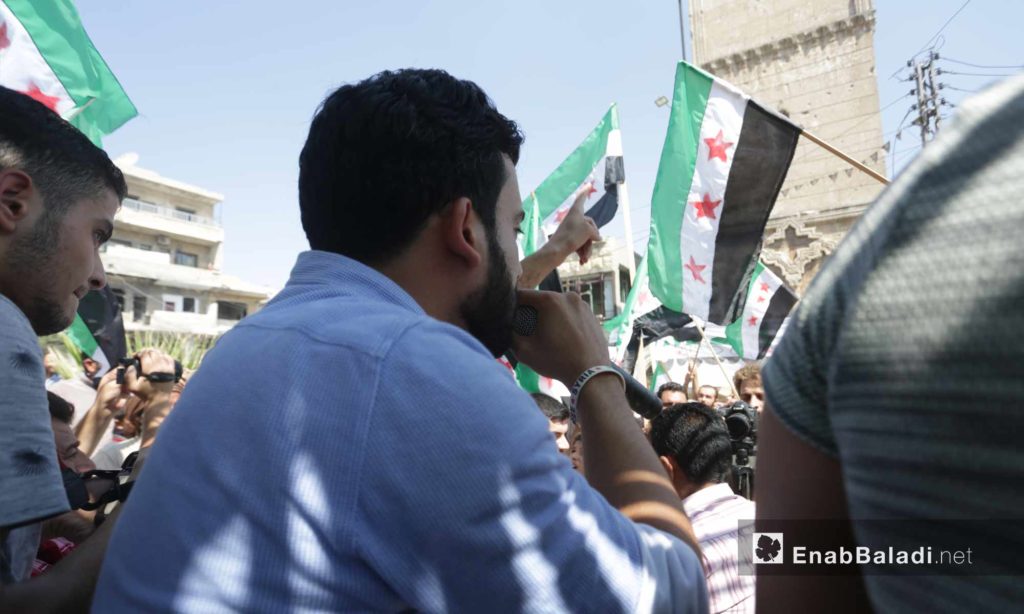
x=671, y=397
x=51, y=264
x=558, y=429
x=707, y=395
x=752, y=393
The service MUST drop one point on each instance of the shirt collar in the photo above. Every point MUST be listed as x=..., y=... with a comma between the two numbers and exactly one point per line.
x=315, y=267
x=706, y=496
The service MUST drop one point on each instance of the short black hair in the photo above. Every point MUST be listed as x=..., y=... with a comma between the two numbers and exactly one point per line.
x=385, y=154
x=60, y=410
x=63, y=163
x=553, y=408
x=695, y=436
x=670, y=387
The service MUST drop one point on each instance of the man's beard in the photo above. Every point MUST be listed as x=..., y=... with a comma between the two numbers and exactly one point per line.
x=488, y=311
x=33, y=257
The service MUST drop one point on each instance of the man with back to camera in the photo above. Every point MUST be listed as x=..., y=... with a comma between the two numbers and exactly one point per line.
x=694, y=447
x=392, y=463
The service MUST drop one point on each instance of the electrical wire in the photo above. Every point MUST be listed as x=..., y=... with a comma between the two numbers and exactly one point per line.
x=1012, y=67
x=974, y=74
x=948, y=21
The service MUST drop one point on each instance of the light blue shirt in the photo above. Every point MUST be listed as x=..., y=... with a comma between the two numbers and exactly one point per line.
x=341, y=450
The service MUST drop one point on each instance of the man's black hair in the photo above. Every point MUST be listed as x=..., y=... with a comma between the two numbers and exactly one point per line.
x=385, y=154
x=670, y=387
x=60, y=410
x=696, y=437
x=63, y=163
x=552, y=407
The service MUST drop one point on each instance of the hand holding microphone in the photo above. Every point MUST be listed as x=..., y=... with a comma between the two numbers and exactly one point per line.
x=557, y=335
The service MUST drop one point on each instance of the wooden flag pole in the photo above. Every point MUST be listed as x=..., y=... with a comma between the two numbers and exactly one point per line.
x=855, y=164
x=703, y=338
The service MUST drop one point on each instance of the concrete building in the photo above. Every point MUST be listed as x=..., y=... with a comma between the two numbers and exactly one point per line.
x=604, y=281
x=814, y=61
x=163, y=261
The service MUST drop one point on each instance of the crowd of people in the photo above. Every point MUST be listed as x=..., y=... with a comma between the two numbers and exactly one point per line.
x=356, y=446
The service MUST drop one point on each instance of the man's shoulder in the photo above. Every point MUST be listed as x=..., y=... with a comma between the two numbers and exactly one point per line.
x=13, y=322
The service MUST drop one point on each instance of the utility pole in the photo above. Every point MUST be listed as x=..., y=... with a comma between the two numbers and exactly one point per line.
x=922, y=107
x=927, y=91
x=682, y=29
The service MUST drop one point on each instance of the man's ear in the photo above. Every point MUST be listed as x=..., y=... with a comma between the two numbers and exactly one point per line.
x=670, y=466
x=462, y=231
x=16, y=190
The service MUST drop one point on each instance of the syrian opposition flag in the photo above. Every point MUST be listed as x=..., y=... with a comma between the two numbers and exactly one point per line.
x=46, y=54
x=724, y=160
x=765, y=313
x=548, y=205
x=98, y=329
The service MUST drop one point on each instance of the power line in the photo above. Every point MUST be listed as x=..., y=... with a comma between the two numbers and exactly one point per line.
x=948, y=21
x=982, y=65
x=972, y=74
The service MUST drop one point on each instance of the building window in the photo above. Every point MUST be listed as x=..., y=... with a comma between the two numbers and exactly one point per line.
x=591, y=289
x=231, y=311
x=169, y=305
x=138, y=308
x=119, y=295
x=146, y=248
x=188, y=304
x=624, y=285
x=120, y=242
x=186, y=259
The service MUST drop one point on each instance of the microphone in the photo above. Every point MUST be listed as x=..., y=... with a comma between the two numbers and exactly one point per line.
x=640, y=399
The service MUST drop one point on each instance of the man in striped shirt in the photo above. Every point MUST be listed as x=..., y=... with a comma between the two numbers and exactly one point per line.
x=693, y=445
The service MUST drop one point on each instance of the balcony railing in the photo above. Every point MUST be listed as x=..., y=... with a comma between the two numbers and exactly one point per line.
x=138, y=205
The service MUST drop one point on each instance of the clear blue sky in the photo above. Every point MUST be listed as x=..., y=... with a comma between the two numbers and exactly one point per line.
x=226, y=90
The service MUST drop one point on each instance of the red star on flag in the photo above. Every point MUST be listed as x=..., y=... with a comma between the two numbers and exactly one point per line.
x=762, y=299
x=39, y=96
x=765, y=287
x=561, y=215
x=5, y=41
x=717, y=147
x=706, y=207
x=752, y=321
x=695, y=270
x=591, y=189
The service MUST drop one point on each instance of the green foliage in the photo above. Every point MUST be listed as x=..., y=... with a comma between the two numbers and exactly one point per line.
x=188, y=349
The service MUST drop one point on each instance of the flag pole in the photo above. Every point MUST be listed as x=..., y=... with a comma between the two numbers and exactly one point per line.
x=77, y=110
x=855, y=164
x=704, y=338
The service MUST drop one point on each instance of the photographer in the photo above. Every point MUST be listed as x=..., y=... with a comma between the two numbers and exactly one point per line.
x=695, y=448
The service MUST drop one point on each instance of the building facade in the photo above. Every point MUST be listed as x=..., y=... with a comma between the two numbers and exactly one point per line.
x=163, y=261
x=604, y=281
x=814, y=61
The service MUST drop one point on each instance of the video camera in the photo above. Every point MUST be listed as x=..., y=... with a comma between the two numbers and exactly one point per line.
x=741, y=420
x=156, y=378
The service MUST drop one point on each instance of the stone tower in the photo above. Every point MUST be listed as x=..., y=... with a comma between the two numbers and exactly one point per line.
x=814, y=61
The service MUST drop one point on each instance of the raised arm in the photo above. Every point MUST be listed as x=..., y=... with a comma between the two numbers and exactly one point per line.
x=576, y=233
